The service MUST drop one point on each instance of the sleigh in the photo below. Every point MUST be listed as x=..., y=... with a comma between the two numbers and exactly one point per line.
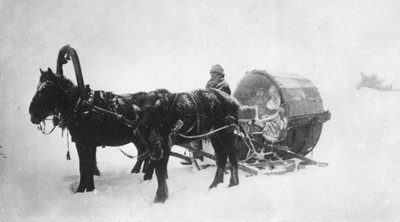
x=302, y=111
x=278, y=122
x=301, y=108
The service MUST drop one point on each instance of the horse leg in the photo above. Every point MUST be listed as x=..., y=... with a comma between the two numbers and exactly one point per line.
x=138, y=166
x=229, y=145
x=221, y=158
x=139, y=162
x=87, y=166
x=148, y=169
x=96, y=170
x=161, y=173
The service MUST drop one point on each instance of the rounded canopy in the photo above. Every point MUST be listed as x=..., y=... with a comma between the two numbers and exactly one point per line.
x=299, y=96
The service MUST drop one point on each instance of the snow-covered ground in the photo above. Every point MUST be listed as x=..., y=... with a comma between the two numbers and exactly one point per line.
x=135, y=45
x=360, y=143
x=360, y=183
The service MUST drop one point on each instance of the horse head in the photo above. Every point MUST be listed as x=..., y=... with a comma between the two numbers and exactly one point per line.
x=53, y=94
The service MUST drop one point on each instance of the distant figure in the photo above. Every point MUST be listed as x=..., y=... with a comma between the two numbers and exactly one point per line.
x=217, y=80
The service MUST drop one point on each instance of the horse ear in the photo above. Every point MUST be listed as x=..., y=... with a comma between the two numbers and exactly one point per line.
x=41, y=71
x=49, y=70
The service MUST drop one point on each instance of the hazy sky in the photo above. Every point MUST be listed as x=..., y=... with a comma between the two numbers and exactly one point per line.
x=128, y=46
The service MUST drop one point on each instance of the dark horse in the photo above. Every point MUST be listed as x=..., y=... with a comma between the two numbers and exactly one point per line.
x=96, y=119
x=178, y=118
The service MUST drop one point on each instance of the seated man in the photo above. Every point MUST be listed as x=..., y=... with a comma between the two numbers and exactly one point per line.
x=274, y=121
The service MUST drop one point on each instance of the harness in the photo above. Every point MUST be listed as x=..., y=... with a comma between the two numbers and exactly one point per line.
x=59, y=120
x=199, y=109
x=113, y=100
x=84, y=105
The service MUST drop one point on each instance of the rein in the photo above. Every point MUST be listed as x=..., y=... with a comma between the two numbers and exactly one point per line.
x=139, y=157
x=128, y=122
x=201, y=136
x=179, y=123
x=42, y=127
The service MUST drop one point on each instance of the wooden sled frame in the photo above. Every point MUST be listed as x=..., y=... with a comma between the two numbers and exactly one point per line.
x=259, y=165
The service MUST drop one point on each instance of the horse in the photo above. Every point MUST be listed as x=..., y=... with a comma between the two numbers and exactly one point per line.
x=180, y=118
x=96, y=118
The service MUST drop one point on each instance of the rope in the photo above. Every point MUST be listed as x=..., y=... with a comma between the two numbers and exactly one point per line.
x=206, y=134
x=252, y=151
x=139, y=157
x=43, y=128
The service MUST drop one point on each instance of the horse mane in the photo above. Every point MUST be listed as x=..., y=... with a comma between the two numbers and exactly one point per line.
x=66, y=83
x=162, y=91
x=228, y=100
x=227, y=97
x=62, y=81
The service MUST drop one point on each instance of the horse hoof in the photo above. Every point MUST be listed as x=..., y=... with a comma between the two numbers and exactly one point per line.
x=136, y=169
x=80, y=189
x=216, y=182
x=89, y=189
x=83, y=188
x=160, y=199
x=233, y=184
x=212, y=186
x=147, y=177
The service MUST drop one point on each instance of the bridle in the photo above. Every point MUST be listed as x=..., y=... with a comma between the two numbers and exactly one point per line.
x=57, y=119
x=44, y=85
x=42, y=126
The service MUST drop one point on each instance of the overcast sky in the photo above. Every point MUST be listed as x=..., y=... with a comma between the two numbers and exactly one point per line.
x=129, y=46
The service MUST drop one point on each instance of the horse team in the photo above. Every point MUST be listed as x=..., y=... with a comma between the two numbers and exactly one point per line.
x=157, y=121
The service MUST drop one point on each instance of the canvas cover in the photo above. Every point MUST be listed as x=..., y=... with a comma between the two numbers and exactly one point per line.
x=299, y=96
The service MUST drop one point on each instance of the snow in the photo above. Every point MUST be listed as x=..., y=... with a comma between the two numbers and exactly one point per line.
x=358, y=185
x=133, y=46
